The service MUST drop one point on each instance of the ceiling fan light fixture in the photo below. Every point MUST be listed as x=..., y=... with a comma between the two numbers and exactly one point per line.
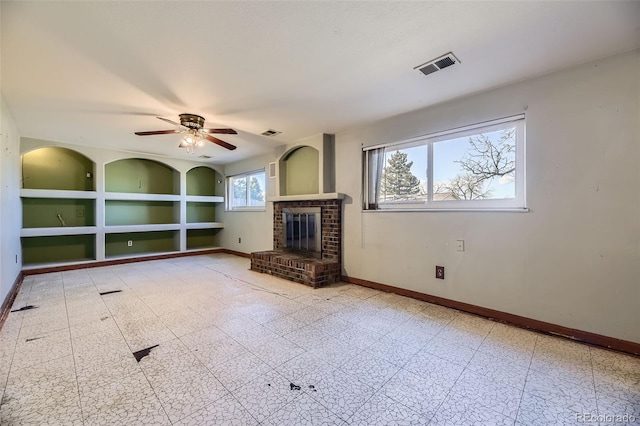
x=191, y=126
x=192, y=121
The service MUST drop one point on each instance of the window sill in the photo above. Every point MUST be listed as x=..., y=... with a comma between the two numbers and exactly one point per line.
x=247, y=209
x=461, y=210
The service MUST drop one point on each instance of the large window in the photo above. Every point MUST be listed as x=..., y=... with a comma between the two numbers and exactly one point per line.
x=246, y=191
x=475, y=167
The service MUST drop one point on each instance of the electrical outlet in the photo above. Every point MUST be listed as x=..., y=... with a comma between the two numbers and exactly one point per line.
x=129, y=243
x=239, y=240
x=459, y=245
x=440, y=272
x=80, y=213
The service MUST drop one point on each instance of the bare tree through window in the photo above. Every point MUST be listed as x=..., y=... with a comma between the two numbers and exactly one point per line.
x=487, y=159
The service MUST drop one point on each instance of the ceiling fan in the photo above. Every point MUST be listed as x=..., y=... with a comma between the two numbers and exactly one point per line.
x=194, y=134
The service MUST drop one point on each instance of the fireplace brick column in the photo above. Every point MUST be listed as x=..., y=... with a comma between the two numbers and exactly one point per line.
x=294, y=267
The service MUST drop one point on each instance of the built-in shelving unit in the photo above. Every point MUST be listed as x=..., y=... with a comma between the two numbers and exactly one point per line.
x=201, y=228
x=75, y=212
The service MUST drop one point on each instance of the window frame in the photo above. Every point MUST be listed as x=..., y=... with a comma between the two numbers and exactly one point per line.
x=516, y=204
x=229, y=191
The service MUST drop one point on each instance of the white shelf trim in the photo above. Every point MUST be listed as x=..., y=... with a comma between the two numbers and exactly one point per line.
x=205, y=225
x=57, y=193
x=127, y=196
x=119, y=229
x=66, y=230
x=204, y=199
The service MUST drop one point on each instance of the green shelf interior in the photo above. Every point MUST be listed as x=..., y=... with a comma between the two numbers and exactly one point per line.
x=141, y=176
x=143, y=242
x=54, y=249
x=202, y=181
x=201, y=212
x=201, y=238
x=43, y=212
x=138, y=212
x=301, y=172
x=57, y=168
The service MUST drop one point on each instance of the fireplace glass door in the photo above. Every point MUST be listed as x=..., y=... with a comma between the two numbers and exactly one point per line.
x=302, y=231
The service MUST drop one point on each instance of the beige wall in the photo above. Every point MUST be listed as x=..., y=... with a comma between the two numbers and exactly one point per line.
x=253, y=228
x=573, y=260
x=10, y=217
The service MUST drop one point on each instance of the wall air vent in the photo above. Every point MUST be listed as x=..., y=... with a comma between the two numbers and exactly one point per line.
x=270, y=133
x=437, y=64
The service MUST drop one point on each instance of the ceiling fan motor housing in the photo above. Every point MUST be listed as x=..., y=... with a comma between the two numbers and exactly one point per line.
x=192, y=121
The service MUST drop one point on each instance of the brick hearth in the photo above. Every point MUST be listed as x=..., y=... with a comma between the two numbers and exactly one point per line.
x=298, y=268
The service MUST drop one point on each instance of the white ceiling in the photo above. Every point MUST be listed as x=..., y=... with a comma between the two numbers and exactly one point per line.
x=92, y=73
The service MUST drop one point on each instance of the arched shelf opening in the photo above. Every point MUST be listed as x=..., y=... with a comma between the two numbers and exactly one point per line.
x=202, y=181
x=141, y=176
x=57, y=168
x=299, y=171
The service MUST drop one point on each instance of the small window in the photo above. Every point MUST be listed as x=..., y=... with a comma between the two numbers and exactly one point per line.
x=246, y=191
x=472, y=168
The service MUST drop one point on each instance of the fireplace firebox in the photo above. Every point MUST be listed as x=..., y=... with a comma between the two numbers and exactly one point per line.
x=302, y=231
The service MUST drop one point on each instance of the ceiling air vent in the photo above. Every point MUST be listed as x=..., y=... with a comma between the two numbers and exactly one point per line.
x=204, y=156
x=270, y=133
x=437, y=64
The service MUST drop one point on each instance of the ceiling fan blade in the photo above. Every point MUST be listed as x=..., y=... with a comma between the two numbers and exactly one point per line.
x=219, y=142
x=157, y=132
x=169, y=121
x=221, y=131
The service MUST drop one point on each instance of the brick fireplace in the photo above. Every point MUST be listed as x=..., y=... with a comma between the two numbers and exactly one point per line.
x=306, y=268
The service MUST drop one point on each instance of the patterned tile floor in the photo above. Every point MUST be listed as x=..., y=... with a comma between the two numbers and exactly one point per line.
x=241, y=348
